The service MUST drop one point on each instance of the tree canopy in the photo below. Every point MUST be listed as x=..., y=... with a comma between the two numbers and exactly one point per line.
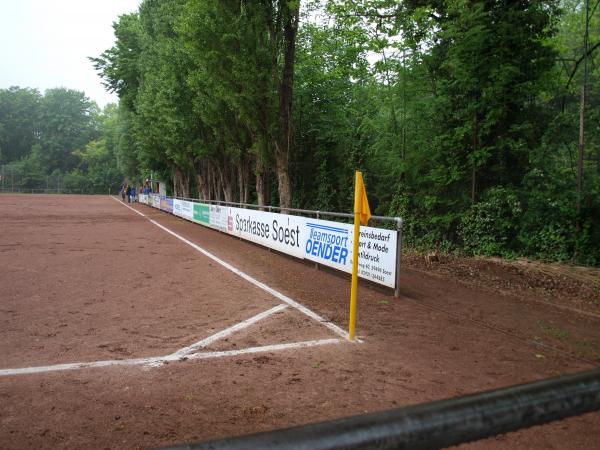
x=60, y=140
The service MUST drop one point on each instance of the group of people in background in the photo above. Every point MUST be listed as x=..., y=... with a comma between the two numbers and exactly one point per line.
x=130, y=192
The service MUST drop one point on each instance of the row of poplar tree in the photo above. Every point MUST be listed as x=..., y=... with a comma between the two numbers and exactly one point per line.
x=477, y=121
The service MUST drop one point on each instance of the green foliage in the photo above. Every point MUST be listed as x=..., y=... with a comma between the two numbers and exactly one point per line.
x=490, y=226
x=120, y=65
x=462, y=114
x=20, y=110
x=68, y=120
x=547, y=229
x=28, y=171
x=59, y=142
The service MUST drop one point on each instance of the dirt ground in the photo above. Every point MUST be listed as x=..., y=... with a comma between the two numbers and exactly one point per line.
x=85, y=279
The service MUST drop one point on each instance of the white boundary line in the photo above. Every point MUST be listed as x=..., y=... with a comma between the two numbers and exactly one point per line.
x=184, y=353
x=155, y=361
x=266, y=348
x=221, y=334
x=188, y=352
x=284, y=298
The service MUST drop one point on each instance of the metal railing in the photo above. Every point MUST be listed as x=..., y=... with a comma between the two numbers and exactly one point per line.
x=295, y=210
x=436, y=424
x=318, y=214
x=21, y=190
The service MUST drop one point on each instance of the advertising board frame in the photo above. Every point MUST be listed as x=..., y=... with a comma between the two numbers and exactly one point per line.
x=220, y=206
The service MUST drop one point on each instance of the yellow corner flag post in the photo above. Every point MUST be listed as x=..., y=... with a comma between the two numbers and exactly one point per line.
x=362, y=214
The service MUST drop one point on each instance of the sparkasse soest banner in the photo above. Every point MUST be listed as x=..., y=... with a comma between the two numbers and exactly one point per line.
x=322, y=241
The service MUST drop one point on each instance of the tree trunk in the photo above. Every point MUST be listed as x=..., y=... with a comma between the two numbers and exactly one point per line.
x=181, y=183
x=262, y=181
x=215, y=192
x=243, y=179
x=473, y=182
x=186, y=185
x=283, y=179
x=201, y=180
x=283, y=142
x=581, y=147
x=474, y=162
x=226, y=181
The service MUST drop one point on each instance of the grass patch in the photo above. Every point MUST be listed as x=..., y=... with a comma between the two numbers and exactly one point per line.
x=554, y=331
x=581, y=346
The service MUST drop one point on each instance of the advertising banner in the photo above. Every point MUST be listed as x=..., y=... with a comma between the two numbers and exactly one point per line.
x=201, y=213
x=143, y=198
x=277, y=231
x=166, y=204
x=218, y=217
x=331, y=244
x=183, y=209
x=325, y=242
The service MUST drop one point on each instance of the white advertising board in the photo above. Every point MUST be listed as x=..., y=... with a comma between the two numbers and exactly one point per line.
x=277, y=231
x=331, y=244
x=218, y=217
x=183, y=209
x=143, y=198
x=325, y=242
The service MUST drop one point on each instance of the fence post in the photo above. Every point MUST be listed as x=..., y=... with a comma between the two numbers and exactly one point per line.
x=399, y=242
x=316, y=263
x=270, y=210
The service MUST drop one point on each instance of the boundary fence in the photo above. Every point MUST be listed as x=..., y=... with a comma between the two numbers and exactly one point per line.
x=436, y=424
x=16, y=180
x=22, y=190
x=380, y=257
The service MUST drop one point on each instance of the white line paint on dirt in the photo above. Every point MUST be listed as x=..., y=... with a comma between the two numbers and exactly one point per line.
x=188, y=352
x=266, y=348
x=284, y=298
x=156, y=361
x=221, y=334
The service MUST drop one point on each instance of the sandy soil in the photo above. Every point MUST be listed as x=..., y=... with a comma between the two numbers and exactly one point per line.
x=86, y=279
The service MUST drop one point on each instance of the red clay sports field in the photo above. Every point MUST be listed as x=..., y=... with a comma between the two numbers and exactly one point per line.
x=127, y=327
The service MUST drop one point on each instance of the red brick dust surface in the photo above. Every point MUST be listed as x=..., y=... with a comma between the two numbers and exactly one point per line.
x=86, y=279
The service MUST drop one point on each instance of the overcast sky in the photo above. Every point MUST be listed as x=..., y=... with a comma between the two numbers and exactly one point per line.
x=46, y=43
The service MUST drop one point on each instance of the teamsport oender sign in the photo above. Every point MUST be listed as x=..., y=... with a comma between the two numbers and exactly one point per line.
x=325, y=242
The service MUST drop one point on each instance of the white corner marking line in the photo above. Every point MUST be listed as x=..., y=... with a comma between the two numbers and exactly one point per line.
x=75, y=366
x=221, y=334
x=284, y=298
x=155, y=361
x=152, y=361
x=265, y=348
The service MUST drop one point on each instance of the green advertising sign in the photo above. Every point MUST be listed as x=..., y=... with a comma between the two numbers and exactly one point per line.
x=201, y=213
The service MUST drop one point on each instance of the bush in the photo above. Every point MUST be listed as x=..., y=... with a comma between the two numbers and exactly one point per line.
x=547, y=228
x=490, y=226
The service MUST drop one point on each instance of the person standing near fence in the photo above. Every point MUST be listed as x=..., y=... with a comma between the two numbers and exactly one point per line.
x=123, y=192
x=133, y=194
x=128, y=193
